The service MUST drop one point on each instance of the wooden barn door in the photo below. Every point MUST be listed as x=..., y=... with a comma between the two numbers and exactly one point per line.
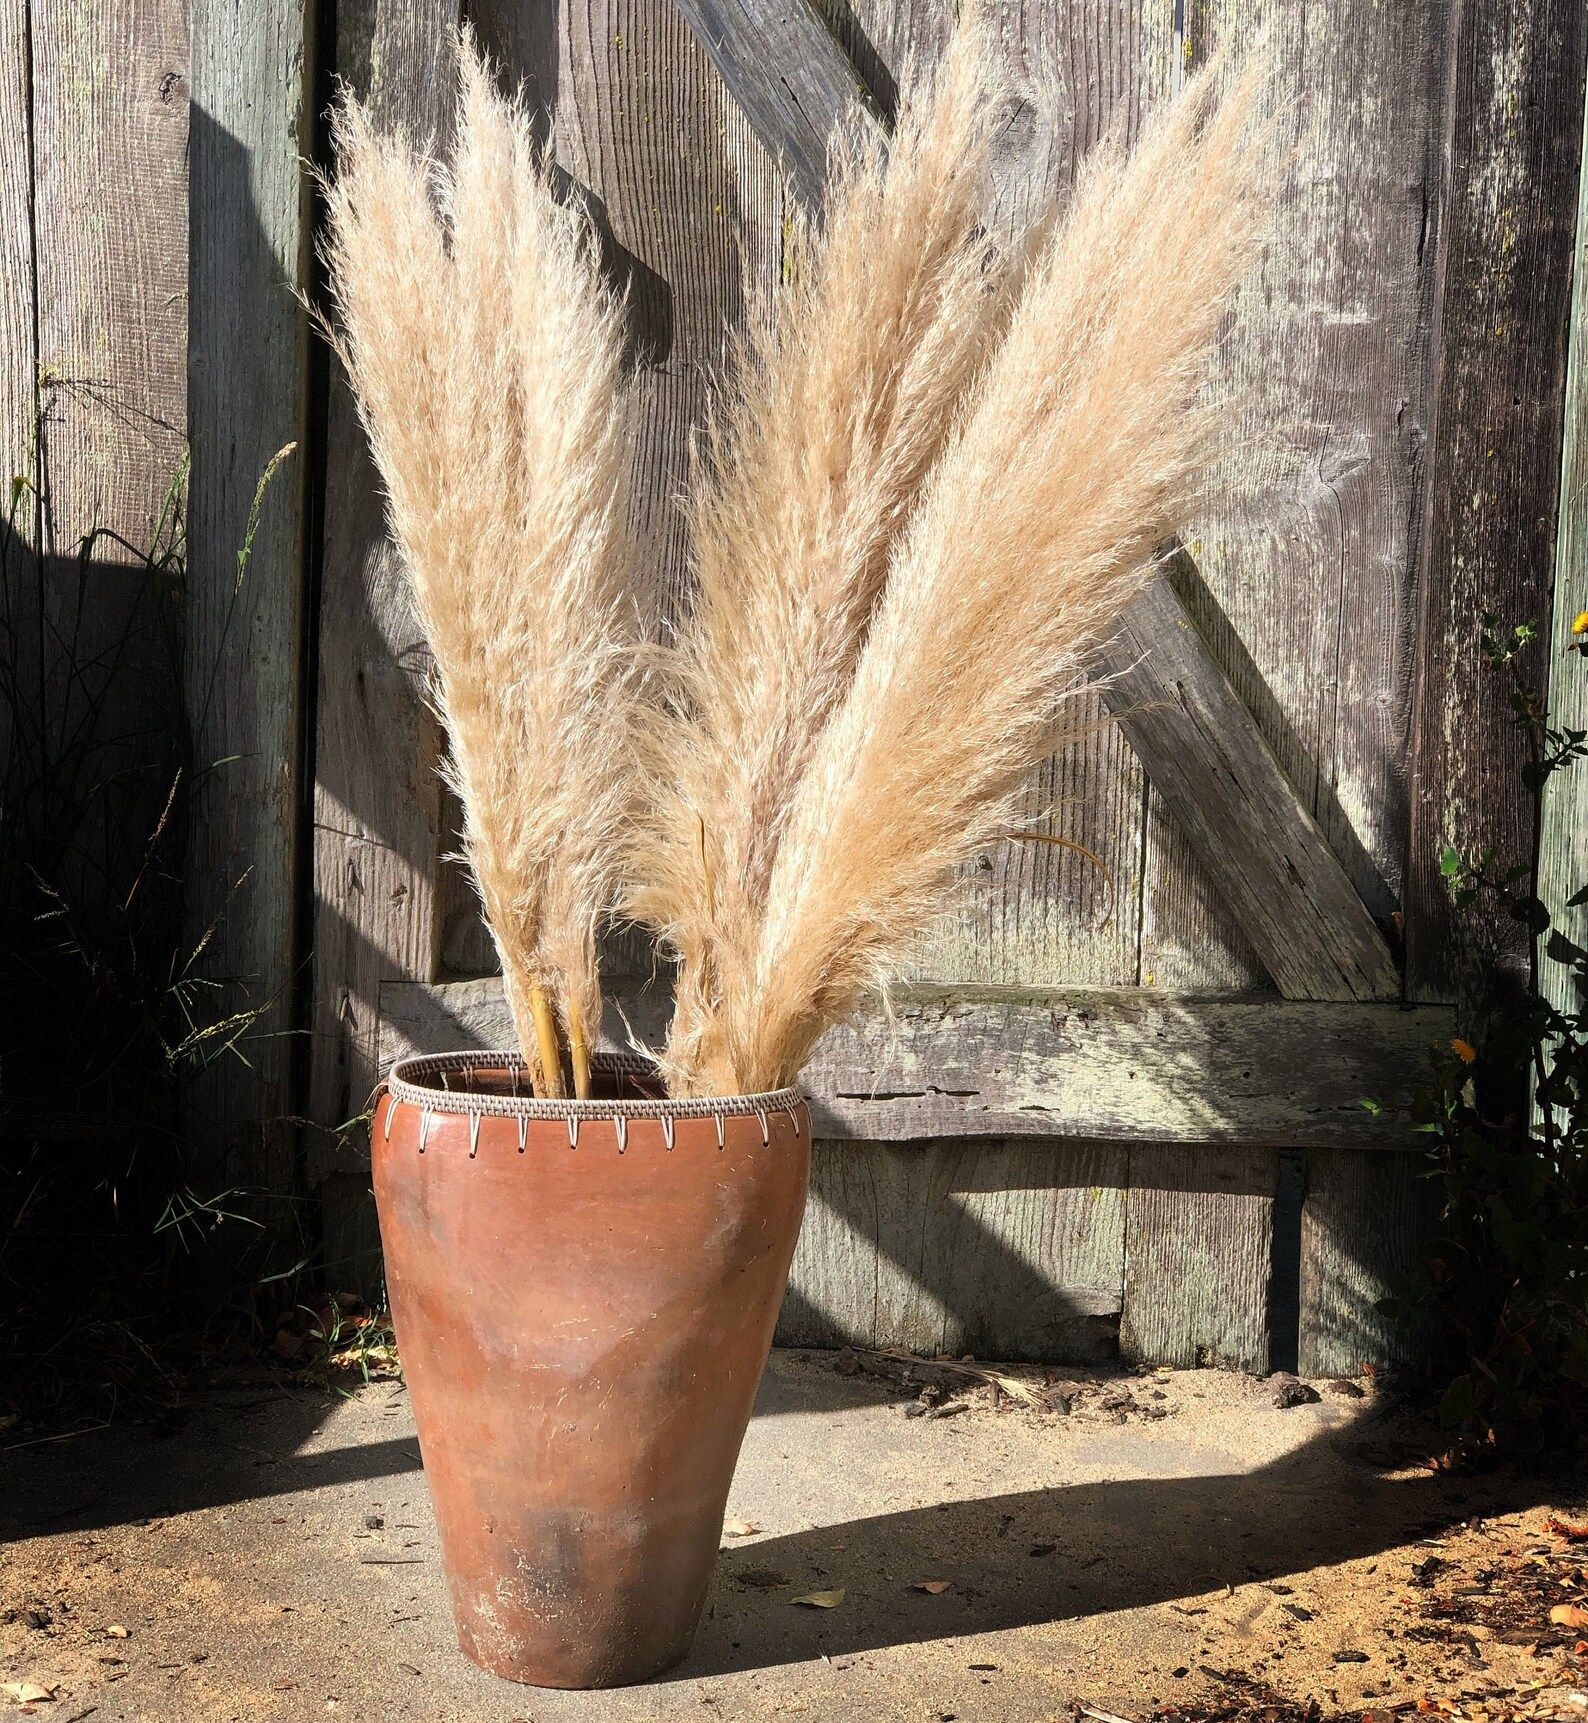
x=1122, y=1108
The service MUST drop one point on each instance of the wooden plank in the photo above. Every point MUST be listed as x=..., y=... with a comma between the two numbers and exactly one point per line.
x=1212, y=768
x=109, y=116
x=377, y=796
x=791, y=78
x=1032, y=913
x=1105, y=1064
x=1199, y=743
x=18, y=396
x=1505, y=246
x=247, y=399
x=1364, y=1223
x=997, y=1249
x=1307, y=546
x=1563, y=835
x=19, y=371
x=1199, y=1257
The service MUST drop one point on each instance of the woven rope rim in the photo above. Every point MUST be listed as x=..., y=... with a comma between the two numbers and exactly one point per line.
x=412, y=1083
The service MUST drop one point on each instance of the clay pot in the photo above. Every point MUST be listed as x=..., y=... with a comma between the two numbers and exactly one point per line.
x=584, y=1294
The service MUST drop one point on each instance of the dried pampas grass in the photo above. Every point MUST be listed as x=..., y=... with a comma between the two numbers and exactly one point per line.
x=1077, y=449
x=485, y=353
x=935, y=474
x=840, y=399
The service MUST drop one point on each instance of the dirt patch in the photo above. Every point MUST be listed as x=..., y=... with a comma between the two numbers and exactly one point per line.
x=1228, y=1561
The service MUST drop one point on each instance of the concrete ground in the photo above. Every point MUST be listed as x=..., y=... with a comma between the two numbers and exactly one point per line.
x=276, y=1558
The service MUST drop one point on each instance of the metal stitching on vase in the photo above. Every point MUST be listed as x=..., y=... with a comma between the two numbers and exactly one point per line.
x=669, y=1130
x=523, y=1133
x=623, y=1133
x=424, y=1127
x=474, y=1135
x=722, y=1130
x=573, y=1130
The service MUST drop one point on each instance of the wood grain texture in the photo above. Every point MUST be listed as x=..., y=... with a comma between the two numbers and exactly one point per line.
x=998, y=1249
x=1105, y=1064
x=791, y=78
x=110, y=217
x=19, y=569
x=1513, y=147
x=1364, y=1223
x=1199, y=1257
x=1215, y=773
x=109, y=123
x=377, y=797
x=1307, y=548
x=247, y=399
x=18, y=348
x=1563, y=834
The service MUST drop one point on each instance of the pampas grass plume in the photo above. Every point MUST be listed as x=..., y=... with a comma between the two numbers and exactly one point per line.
x=485, y=354
x=1078, y=448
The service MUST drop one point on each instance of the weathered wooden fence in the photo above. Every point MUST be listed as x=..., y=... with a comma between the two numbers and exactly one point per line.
x=1116, y=1112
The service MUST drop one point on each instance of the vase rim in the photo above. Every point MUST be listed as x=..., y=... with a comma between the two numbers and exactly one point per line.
x=425, y=1080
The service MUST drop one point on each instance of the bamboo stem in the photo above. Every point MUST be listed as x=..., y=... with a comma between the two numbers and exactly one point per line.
x=578, y=1049
x=546, y=1037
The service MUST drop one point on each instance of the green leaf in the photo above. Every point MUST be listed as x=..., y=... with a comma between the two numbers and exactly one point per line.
x=1449, y=862
x=1531, y=913
x=1459, y=1402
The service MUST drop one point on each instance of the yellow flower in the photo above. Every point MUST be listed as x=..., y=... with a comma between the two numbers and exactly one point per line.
x=1580, y=624
x=1463, y=1050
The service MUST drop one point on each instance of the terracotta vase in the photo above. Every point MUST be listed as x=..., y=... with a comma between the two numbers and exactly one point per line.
x=584, y=1294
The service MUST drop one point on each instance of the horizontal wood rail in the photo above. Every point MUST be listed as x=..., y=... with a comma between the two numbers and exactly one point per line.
x=1096, y=1065
x=1263, y=850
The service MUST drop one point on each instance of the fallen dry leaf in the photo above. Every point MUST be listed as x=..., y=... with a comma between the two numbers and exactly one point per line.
x=739, y=1528
x=1568, y=1615
x=935, y=1586
x=119, y=1632
x=821, y=1599
x=26, y=1692
x=1565, y=1529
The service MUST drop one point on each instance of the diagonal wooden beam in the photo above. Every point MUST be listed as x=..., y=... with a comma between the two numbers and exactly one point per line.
x=1265, y=854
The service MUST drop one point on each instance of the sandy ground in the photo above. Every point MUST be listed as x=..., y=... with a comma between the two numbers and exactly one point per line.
x=1173, y=1543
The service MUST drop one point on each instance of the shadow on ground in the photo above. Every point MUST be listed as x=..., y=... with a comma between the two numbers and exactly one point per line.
x=1078, y=1550
x=1173, y=1522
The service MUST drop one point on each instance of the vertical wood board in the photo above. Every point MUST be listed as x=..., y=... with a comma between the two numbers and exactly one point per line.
x=996, y=1249
x=377, y=796
x=1512, y=152
x=18, y=351
x=1364, y=1222
x=1199, y=1257
x=19, y=593
x=1307, y=547
x=1563, y=837
x=109, y=207
x=247, y=400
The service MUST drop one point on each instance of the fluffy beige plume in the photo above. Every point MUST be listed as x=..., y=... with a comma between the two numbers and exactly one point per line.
x=1079, y=450
x=485, y=353
x=841, y=398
